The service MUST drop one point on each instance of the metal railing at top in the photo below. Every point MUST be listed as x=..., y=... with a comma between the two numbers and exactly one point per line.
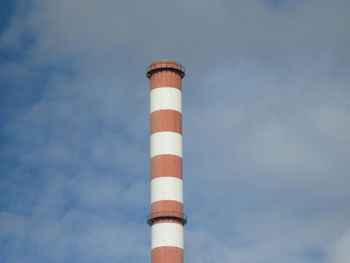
x=165, y=65
x=181, y=217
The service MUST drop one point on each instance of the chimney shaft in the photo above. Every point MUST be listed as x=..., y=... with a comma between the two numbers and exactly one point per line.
x=167, y=218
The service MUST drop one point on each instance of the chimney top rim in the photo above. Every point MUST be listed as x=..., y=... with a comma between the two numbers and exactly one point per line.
x=165, y=64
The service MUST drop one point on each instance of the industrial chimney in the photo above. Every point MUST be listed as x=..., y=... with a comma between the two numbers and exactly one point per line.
x=167, y=219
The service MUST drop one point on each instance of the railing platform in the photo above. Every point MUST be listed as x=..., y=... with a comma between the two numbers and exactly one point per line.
x=172, y=215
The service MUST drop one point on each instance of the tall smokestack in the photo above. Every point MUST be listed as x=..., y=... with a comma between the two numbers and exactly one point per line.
x=167, y=219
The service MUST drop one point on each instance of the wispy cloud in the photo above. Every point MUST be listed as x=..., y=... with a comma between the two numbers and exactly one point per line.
x=266, y=129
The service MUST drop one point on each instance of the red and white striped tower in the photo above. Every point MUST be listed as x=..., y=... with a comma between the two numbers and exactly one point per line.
x=167, y=218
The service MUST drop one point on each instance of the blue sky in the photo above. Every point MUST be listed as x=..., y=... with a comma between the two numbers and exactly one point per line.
x=266, y=128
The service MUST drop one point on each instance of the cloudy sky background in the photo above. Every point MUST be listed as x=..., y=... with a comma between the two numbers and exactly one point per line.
x=266, y=128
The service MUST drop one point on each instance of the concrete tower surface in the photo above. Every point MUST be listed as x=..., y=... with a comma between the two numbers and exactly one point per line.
x=167, y=218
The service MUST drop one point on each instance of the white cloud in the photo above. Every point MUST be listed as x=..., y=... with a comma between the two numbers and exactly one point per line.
x=266, y=129
x=340, y=253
